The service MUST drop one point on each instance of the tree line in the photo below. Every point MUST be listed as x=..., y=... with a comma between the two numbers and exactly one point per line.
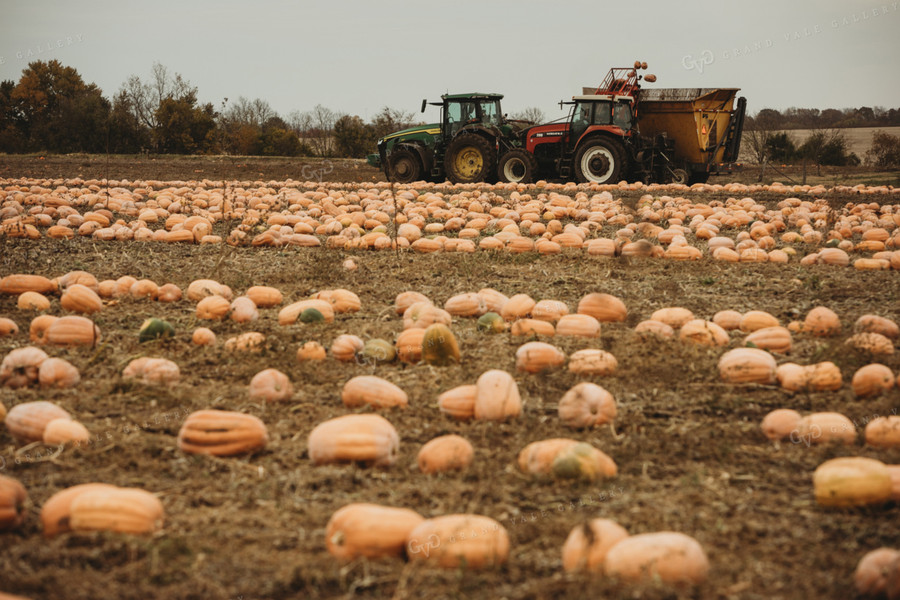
x=52, y=109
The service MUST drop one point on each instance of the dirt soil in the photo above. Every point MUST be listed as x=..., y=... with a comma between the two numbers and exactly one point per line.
x=690, y=454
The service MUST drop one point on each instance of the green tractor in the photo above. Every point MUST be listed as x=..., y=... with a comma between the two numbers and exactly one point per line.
x=463, y=147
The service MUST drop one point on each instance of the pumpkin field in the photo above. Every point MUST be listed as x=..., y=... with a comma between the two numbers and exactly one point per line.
x=681, y=316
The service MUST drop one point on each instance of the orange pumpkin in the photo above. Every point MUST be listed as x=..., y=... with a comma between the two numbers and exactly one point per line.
x=852, y=481
x=496, y=396
x=587, y=545
x=265, y=296
x=566, y=459
x=728, y=319
x=705, y=333
x=445, y=453
x=757, y=319
x=778, y=424
x=534, y=357
x=578, y=325
x=823, y=428
x=667, y=556
x=872, y=380
x=457, y=540
x=27, y=421
x=311, y=351
x=884, y=432
x=874, y=570
x=251, y=341
x=271, y=385
x=58, y=373
x=369, y=390
x=369, y=530
x=345, y=347
x=18, y=284
x=674, y=316
x=212, y=308
x=365, y=438
x=517, y=307
x=606, y=308
x=871, y=343
x=8, y=327
x=201, y=288
x=655, y=328
x=341, y=300
x=876, y=324
x=776, y=339
x=72, y=331
x=37, y=330
x=12, y=503
x=549, y=310
x=21, y=367
x=586, y=405
x=222, y=433
x=33, y=301
x=81, y=299
x=63, y=431
x=290, y=313
x=822, y=321
x=466, y=305
x=459, y=402
x=526, y=327
x=144, y=288
x=242, y=309
x=203, y=336
x=494, y=301
x=152, y=371
x=169, y=292
x=423, y=314
x=123, y=510
x=747, y=365
x=409, y=345
x=592, y=361
x=55, y=514
x=406, y=299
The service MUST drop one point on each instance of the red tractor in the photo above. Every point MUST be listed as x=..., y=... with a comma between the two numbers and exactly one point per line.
x=601, y=140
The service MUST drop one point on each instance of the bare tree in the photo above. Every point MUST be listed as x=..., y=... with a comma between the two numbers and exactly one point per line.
x=532, y=113
x=322, y=129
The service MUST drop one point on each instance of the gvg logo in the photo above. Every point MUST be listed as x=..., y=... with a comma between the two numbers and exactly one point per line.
x=432, y=543
x=310, y=172
x=701, y=62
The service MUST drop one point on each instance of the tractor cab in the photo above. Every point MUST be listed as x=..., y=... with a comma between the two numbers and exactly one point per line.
x=469, y=110
x=599, y=112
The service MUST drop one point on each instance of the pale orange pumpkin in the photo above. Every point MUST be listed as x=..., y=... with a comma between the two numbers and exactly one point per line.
x=37, y=330
x=311, y=351
x=496, y=396
x=872, y=380
x=459, y=402
x=852, y=481
x=265, y=296
x=705, y=333
x=534, y=357
x=578, y=325
x=528, y=327
x=222, y=433
x=469, y=304
x=674, y=316
x=606, y=308
x=874, y=571
x=63, y=431
x=21, y=367
x=457, y=540
x=587, y=545
x=144, y=288
x=592, y=361
x=369, y=390
x=365, y=438
x=668, y=556
x=56, y=512
x=341, y=300
x=169, y=292
x=58, y=373
x=822, y=321
x=251, y=341
x=81, y=299
x=549, y=310
x=728, y=319
x=212, y=308
x=12, y=503
x=203, y=336
x=657, y=328
x=290, y=313
x=201, y=288
x=883, y=432
x=778, y=424
x=152, y=371
x=871, y=343
x=445, y=453
x=876, y=324
x=406, y=299
x=747, y=365
x=27, y=421
x=757, y=319
x=8, y=327
x=72, y=331
x=494, y=301
x=409, y=345
x=346, y=346
x=586, y=405
x=423, y=314
x=242, y=309
x=369, y=530
x=123, y=510
x=823, y=428
x=19, y=283
x=33, y=301
x=271, y=385
x=517, y=307
x=776, y=339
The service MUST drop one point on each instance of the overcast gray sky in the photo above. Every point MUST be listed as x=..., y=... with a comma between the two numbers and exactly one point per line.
x=356, y=57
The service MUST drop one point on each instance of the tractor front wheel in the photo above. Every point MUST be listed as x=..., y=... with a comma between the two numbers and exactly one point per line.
x=517, y=166
x=599, y=160
x=404, y=166
x=470, y=158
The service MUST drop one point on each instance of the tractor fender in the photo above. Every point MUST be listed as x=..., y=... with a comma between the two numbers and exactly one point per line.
x=425, y=154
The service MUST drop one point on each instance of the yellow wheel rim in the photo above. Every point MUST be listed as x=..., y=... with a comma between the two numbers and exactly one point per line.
x=469, y=162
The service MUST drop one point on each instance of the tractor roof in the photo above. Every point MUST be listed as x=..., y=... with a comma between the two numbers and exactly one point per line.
x=472, y=96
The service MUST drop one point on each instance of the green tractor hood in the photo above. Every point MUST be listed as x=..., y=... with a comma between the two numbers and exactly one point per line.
x=422, y=133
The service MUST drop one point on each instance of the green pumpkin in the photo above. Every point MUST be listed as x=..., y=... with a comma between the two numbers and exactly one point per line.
x=377, y=351
x=491, y=322
x=155, y=328
x=311, y=315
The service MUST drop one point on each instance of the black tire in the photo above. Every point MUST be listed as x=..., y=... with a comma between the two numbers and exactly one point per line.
x=698, y=177
x=599, y=160
x=404, y=166
x=679, y=176
x=470, y=158
x=517, y=166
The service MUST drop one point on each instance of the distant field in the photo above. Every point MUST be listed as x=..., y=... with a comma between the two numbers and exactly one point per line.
x=859, y=139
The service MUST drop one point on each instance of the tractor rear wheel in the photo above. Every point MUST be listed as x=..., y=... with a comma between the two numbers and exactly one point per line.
x=517, y=166
x=404, y=166
x=679, y=176
x=470, y=158
x=599, y=160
